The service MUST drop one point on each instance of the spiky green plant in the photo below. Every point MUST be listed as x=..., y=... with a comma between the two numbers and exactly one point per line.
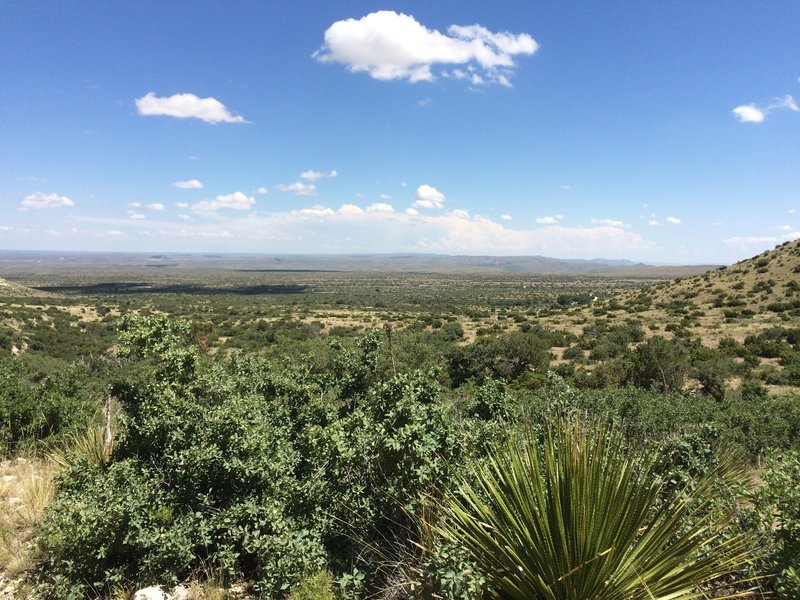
x=90, y=444
x=577, y=516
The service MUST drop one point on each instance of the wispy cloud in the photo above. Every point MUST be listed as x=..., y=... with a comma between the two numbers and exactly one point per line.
x=390, y=45
x=40, y=201
x=315, y=211
x=234, y=201
x=298, y=188
x=315, y=175
x=191, y=184
x=549, y=220
x=750, y=113
x=608, y=223
x=186, y=106
x=673, y=220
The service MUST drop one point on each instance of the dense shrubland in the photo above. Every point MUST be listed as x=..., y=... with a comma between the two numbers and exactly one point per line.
x=340, y=454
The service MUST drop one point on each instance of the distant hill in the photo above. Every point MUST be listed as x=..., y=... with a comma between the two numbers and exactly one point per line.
x=32, y=262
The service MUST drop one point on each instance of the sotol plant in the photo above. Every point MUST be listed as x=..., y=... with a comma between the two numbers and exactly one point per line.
x=577, y=516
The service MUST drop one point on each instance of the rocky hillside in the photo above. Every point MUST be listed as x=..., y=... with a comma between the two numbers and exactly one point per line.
x=769, y=282
x=734, y=301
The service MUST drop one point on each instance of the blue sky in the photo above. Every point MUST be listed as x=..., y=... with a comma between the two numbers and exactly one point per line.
x=653, y=131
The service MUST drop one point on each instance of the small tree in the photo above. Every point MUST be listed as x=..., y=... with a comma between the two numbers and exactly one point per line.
x=660, y=364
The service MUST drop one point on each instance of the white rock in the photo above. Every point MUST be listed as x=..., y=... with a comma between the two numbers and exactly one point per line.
x=7, y=478
x=153, y=592
x=179, y=593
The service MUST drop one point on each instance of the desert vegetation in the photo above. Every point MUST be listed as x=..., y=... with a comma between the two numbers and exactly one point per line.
x=356, y=434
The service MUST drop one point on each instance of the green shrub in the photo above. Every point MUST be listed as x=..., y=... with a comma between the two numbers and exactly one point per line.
x=776, y=516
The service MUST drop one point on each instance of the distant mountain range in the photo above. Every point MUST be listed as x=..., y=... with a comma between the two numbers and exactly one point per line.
x=31, y=262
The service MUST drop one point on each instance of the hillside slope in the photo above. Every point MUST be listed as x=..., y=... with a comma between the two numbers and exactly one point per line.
x=9, y=289
x=734, y=301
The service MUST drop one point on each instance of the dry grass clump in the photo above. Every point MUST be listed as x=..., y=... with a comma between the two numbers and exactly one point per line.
x=25, y=490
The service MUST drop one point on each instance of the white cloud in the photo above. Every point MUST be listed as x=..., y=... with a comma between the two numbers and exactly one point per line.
x=184, y=218
x=155, y=206
x=505, y=217
x=750, y=240
x=234, y=201
x=385, y=197
x=608, y=222
x=566, y=187
x=674, y=220
x=315, y=175
x=135, y=204
x=428, y=197
x=412, y=212
x=186, y=106
x=461, y=214
x=785, y=227
x=549, y=220
x=319, y=229
x=191, y=184
x=315, y=211
x=390, y=45
x=350, y=209
x=750, y=113
x=182, y=205
x=380, y=207
x=653, y=222
x=39, y=201
x=136, y=216
x=261, y=190
x=298, y=188
x=480, y=234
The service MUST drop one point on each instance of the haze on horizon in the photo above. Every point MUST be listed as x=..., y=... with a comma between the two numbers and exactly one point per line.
x=660, y=133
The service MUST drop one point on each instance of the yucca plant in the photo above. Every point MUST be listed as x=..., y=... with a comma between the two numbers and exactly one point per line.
x=92, y=444
x=578, y=516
